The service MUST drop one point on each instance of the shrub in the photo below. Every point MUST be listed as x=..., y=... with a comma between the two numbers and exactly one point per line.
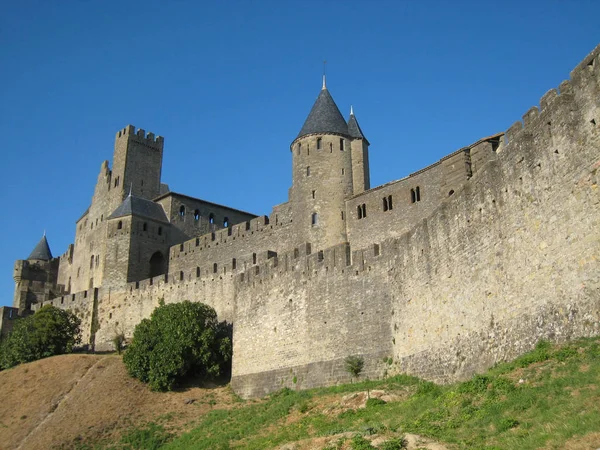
x=50, y=331
x=118, y=341
x=179, y=339
x=372, y=402
x=354, y=365
x=360, y=443
x=394, y=444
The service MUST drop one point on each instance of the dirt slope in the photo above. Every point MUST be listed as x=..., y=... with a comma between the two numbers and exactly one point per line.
x=58, y=401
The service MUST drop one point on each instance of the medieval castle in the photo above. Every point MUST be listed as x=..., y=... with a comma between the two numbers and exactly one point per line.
x=440, y=274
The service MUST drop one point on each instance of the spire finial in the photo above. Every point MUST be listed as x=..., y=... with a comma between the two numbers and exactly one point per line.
x=351, y=111
x=130, y=189
x=44, y=232
x=324, y=75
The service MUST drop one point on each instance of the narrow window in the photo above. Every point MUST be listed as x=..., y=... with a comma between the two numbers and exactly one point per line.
x=180, y=247
x=451, y=192
x=385, y=204
x=314, y=219
x=226, y=222
x=390, y=204
x=233, y=264
x=319, y=141
x=145, y=227
x=364, y=210
x=181, y=211
x=92, y=262
x=330, y=147
x=313, y=194
x=341, y=144
x=299, y=148
x=320, y=255
x=342, y=215
x=159, y=231
x=196, y=215
x=197, y=272
x=253, y=258
x=180, y=275
x=418, y=192
x=308, y=171
x=359, y=211
x=119, y=225
x=215, y=268
x=211, y=218
x=413, y=197
x=343, y=171
x=197, y=242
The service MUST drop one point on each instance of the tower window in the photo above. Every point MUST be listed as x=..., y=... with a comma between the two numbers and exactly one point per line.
x=197, y=215
x=197, y=272
x=342, y=215
x=314, y=219
x=313, y=194
x=181, y=275
x=211, y=218
x=387, y=203
x=215, y=268
x=119, y=225
x=319, y=142
x=330, y=147
x=361, y=211
x=308, y=171
x=159, y=231
x=343, y=171
x=233, y=264
x=226, y=222
x=181, y=211
x=145, y=227
x=415, y=195
x=253, y=258
x=299, y=148
x=341, y=144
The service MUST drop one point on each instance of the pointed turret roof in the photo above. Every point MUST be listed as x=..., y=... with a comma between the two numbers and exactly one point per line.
x=324, y=117
x=138, y=206
x=354, y=128
x=41, y=250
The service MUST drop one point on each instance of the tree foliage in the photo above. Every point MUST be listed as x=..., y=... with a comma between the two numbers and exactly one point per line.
x=50, y=331
x=354, y=365
x=179, y=339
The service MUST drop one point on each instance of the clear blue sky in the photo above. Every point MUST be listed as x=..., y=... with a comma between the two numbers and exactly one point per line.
x=229, y=84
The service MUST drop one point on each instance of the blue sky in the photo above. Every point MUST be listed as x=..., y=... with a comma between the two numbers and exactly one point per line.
x=229, y=84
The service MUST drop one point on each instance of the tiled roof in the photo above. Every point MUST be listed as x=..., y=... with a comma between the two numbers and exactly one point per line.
x=138, y=206
x=41, y=250
x=324, y=117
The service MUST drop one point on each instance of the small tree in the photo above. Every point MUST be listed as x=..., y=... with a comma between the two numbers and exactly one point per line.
x=50, y=331
x=354, y=365
x=118, y=341
x=178, y=339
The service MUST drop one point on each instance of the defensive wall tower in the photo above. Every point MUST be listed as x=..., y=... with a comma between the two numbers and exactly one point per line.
x=35, y=278
x=329, y=165
x=137, y=163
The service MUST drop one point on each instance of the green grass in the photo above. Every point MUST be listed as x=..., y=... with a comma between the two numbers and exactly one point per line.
x=558, y=398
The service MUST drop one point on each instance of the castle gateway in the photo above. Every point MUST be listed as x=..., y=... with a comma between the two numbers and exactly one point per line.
x=440, y=274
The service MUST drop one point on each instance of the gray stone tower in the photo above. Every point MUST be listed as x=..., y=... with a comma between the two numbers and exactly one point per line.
x=329, y=165
x=137, y=163
x=35, y=277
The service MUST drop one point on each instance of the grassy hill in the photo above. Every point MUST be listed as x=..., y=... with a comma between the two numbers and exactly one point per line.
x=546, y=399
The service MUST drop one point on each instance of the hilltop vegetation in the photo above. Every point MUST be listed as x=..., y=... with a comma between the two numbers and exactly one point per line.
x=547, y=398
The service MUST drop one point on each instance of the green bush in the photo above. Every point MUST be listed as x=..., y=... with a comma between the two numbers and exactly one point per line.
x=354, y=365
x=393, y=444
x=360, y=443
x=372, y=402
x=179, y=339
x=50, y=331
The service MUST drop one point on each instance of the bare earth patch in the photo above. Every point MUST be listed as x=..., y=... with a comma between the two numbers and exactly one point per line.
x=65, y=399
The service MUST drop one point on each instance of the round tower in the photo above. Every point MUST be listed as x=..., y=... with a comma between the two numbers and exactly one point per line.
x=321, y=175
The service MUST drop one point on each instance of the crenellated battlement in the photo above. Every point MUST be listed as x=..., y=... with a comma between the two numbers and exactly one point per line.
x=139, y=135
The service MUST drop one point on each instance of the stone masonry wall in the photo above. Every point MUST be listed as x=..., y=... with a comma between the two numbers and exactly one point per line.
x=510, y=258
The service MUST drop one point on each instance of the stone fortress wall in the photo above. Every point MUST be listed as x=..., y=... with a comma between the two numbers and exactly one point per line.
x=497, y=249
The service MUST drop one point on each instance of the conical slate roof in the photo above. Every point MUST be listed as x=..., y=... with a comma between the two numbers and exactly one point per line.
x=139, y=207
x=324, y=117
x=41, y=250
x=354, y=128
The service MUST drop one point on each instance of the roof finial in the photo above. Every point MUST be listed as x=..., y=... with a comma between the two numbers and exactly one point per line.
x=324, y=75
x=351, y=111
x=130, y=189
x=44, y=232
